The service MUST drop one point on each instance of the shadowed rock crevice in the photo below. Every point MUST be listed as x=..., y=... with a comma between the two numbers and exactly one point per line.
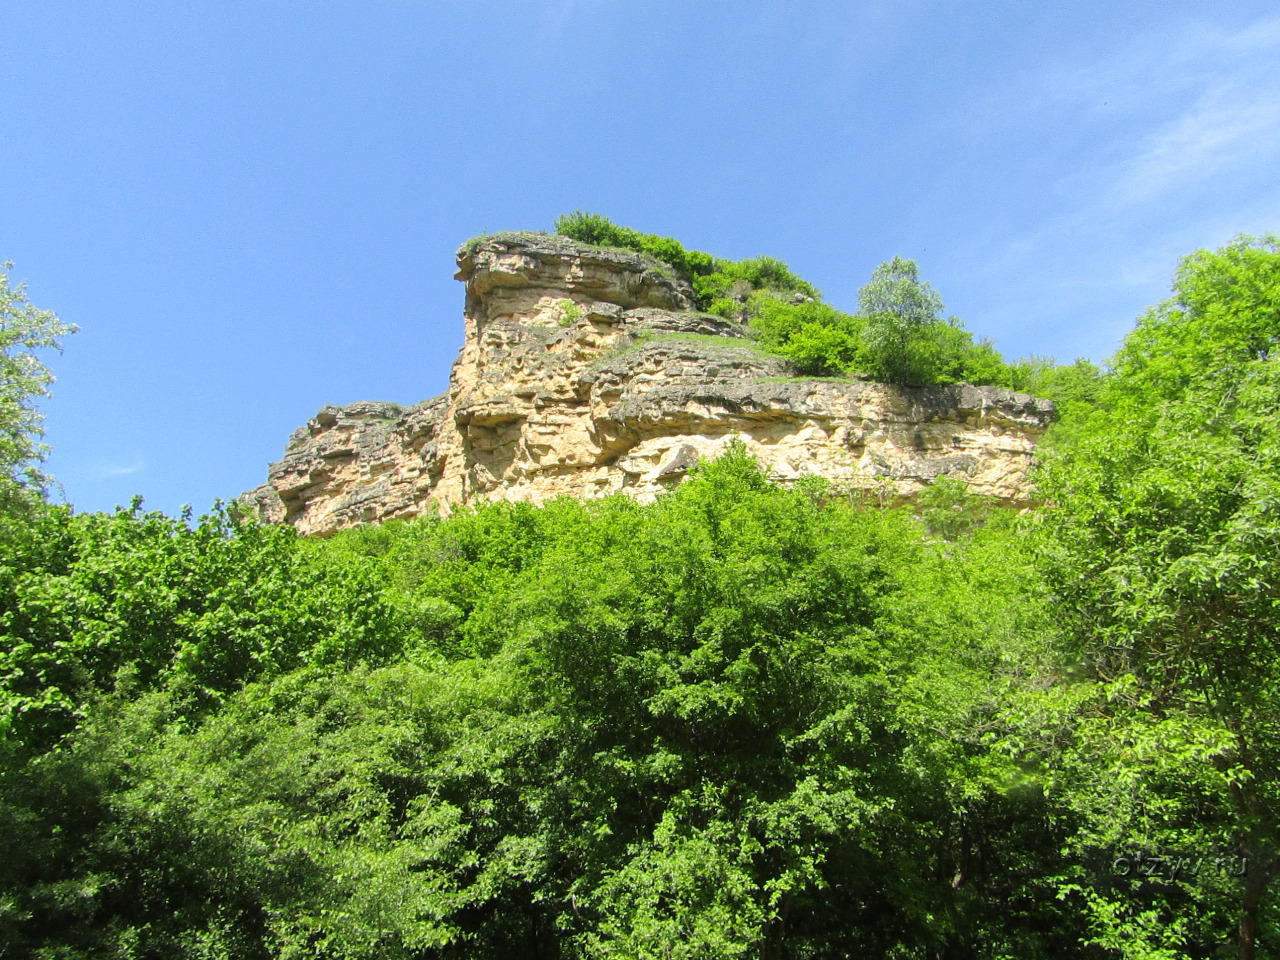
x=586, y=371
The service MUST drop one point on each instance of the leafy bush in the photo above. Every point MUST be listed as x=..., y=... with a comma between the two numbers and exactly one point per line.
x=204, y=607
x=601, y=231
x=817, y=338
x=949, y=509
x=727, y=290
x=715, y=281
x=585, y=729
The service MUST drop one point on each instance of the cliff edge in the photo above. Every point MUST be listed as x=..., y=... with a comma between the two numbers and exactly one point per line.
x=586, y=371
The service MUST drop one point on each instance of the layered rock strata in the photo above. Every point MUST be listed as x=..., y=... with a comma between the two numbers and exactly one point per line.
x=586, y=371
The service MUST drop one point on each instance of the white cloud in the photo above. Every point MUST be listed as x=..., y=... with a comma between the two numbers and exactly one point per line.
x=1234, y=126
x=1162, y=113
x=106, y=471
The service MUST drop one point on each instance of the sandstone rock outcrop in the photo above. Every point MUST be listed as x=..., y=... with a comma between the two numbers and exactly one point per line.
x=586, y=371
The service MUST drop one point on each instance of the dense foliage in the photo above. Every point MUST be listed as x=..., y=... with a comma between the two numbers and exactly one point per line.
x=1165, y=547
x=596, y=729
x=741, y=721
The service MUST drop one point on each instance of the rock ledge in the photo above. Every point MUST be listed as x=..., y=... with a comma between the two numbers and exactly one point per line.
x=586, y=371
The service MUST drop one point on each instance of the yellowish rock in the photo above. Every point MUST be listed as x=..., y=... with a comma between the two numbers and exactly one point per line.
x=586, y=371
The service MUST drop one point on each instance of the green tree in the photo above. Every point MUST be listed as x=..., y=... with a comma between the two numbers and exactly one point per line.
x=819, y=340
x=900, y=310
x=905, y=338
x=742, y=720
x=24, y=379
x=204, y=606
x=1165, y=530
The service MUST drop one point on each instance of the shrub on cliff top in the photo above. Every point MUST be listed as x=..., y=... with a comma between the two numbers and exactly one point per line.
x=713, y=278
x=602, y=232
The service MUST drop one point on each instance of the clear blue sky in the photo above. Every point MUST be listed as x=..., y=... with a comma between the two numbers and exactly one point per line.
x=251, y=208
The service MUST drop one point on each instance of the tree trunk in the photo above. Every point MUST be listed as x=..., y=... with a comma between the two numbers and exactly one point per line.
x=1249, y=918
x=1257, y=876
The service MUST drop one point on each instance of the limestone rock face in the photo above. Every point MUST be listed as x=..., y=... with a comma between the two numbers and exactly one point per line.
x=586, y=371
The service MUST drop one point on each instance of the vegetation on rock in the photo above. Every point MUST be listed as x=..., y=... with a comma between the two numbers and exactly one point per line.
x=898, y=335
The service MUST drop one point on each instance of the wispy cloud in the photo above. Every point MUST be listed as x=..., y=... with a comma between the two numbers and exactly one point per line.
x=1233, y=125
x=1164, y=113
x=556, y=16
x=1161, y=144
x=106, y=471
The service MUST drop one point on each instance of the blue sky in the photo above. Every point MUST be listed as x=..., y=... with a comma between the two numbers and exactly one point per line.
x=251, y=208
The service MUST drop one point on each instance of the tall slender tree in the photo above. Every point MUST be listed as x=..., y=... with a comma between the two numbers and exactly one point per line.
x=899, y=310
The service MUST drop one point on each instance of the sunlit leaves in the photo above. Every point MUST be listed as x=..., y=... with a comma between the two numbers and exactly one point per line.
x=25, y=330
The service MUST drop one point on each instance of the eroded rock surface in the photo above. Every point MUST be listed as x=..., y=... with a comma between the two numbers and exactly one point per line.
x=586, y=371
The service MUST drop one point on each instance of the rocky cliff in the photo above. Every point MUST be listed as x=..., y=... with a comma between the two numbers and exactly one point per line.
x=586, y=371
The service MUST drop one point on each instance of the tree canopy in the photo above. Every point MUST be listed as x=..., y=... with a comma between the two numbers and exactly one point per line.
x=1165, y=535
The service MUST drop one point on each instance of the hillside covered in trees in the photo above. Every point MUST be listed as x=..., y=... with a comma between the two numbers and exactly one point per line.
x=740, y=721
